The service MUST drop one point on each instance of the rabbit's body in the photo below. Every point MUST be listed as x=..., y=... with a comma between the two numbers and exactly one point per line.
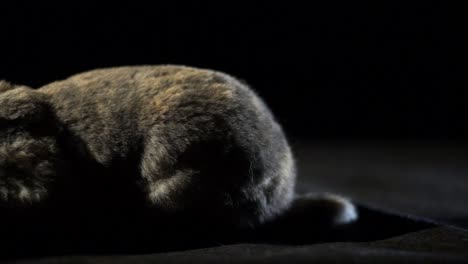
x=169, y=137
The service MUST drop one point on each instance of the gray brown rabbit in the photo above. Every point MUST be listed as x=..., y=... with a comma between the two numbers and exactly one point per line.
x=168, y=138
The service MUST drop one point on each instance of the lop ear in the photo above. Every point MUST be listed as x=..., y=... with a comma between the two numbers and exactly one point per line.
x=23, y=105
x=5, y=86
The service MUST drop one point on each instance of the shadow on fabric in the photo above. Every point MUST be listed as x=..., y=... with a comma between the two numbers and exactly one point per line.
x=134, y=236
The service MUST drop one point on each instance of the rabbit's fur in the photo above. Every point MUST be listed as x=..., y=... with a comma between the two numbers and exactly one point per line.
x=171, y=138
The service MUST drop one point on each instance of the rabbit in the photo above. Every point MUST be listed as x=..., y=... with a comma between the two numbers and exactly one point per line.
x=166, y=138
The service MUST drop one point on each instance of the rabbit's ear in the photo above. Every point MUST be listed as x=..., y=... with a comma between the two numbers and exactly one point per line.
x=5, y=86
x=23, y=105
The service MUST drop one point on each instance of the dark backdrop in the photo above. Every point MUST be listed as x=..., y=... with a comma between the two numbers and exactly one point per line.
x=335, y=71
x=394, y=71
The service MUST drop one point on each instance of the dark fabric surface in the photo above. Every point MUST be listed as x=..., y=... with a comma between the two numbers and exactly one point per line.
x=435, y=245
x=412, y=204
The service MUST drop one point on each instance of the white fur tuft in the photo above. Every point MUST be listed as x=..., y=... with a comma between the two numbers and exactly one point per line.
x=348, y=213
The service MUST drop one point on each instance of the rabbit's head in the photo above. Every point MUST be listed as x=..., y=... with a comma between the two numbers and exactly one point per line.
x=28, y=146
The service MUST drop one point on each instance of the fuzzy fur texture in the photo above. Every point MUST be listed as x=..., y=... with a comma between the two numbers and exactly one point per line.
x=170, y=137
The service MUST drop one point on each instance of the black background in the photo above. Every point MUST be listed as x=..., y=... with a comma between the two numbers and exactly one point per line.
x=328, y=71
